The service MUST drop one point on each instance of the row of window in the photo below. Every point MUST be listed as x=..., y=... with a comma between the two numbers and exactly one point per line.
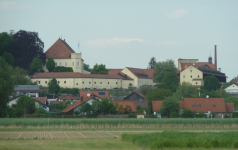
x=65, y=64
x=194, y=105
x=191, y=76
x=145, y=82
x=76, y=83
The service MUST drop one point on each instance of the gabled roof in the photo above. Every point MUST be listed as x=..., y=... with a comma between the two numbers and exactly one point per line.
x=149, y=72
x=114, y=71
x=99, y=94
x=229, y=107
x=77, y=103
x=138, y=93
x=200, y=64
x=231, y=86
x=140, y=73
x=60, y=49
x=42, y=100
x=69, y=97
x=124, y=103
x=76, y=75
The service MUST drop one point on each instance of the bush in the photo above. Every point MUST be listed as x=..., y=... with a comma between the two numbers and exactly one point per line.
x=76, y=112
x=201, y=115
x=235, y=115
x=152, y=116
x=187, y=113
x=58, y=94
x=226, y=116
x=174, y=115
x=40, y=111
x=132, y=116
x=213, y=115
x=63, y=69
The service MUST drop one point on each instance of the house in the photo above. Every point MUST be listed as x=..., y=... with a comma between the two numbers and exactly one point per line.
x=64, y=55
x=100, y=94
x=235, y=80
x=27, y=90
x=126, y=103
x=77, y=105
x=232, y=89
x=134, y=96
x=71, y=98
x=79, y=80
x=205, y=105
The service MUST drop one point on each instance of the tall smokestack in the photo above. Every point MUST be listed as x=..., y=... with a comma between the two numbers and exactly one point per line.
x=215, y=53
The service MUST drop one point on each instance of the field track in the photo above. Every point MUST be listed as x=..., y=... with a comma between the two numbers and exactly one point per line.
x=78, y=134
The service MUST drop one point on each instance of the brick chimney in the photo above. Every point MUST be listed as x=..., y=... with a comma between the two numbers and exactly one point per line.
x=215, y=53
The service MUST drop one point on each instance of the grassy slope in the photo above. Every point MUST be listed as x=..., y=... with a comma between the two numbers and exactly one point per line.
x=69, y=144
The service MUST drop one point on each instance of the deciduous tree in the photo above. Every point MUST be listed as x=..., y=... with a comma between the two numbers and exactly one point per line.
x=152, y=63
x=169, y=105
x=63, y=69
x=5, y=40
x=36, y=65
x=86, y=67
x=170, y=81
x=121, y=110
x=186, y=90
x=99, y=69
x=53, y=86
x=50, y=64
x=211, y=83
x=26, y=103
x=74, y=91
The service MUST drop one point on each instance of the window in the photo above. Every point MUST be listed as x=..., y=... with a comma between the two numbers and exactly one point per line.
x=72, y=63
x=60, y=63
x=77, y=63
x=89, y=82
x=58, y=82
x=94, y=82
x=77, y=84
x=100, y=82
x=108, y=82
x=101, y=93
x=191, y=76
x=116, y=82
x=183, y=76
x=191, y=70
x=66, y=64
x=83, y=82
x=56, y=64
x=64, y=82
x=214, y=105
x=196, y=83
x=194, y=105
x=39, y=82
x=45, y=82
x=199, y=105
x=198, y=76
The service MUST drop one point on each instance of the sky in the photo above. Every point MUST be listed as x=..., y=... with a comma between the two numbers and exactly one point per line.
x=128, y=33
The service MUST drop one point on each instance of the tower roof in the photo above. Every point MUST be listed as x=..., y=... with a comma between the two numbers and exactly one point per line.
x=60, y=49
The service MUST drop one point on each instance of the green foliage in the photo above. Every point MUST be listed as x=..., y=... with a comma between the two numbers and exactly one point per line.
x=152, y=63
x=19, y=76
x=53, y=86
x=139, y=109
x=186, y=90
x=50, y=64
x=59, y=106
x=152, y=116
x=212, y=115
x=231, y=99
x=169, y=105
x=63, y=69
x=187, y=113
x=211, y=83
x=201, y=115
x=162, y=68
x=132, y=116
x=40, y=111
x=144, y=89
x=9, y=58
x=225, y=85
x=5, y=40
x=76, y=112
x=235, y=115
x=222, y=93
x=86, y=67
x=128, y=110
x=66, y=103
x=184, y=140
x=74, y=91
x=157, y=94
x=121, y=110
x=26, y=103
x=226, y=116
x=211, y=94
x=6, y=85
x=99, y=69
x=170, y=81
x=36, y=65
x=85, y=108
x=174, y=115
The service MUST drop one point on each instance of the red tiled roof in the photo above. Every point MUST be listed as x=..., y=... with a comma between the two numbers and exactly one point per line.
x=139, y=73
x=68, y=97
x=75, y=75
x=229, y=107
x=140, y=94
x=149, y=72
x=60, y=49
x=124, y=103
x=114, y=71
x=200, y=64
x=57, y=102
x=40, y=99
x=84, y=94
x=156, y=105
x=77, y=103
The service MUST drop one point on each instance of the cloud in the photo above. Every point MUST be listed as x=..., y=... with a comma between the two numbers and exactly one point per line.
x=171, y=42
x=10, y=5
x=177, y=14
x=113, y=41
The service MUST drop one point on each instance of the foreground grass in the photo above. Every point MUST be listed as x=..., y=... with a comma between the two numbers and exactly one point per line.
x=173, y=139
x=71, y=144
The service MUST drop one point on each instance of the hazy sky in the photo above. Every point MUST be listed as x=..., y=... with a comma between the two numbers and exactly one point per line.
x=127, y=33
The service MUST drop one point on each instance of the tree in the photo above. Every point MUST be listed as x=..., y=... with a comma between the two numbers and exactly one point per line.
x=99, y=69
x=9, y=58
x=144, y=89
x=152, y=63
x=211, y=94
x=40, y=111
x=157, y=94
x=19, y=76
x=231, y=99
x=74, y=91
x=25, y=46
x=170, y=81
x=50, y=64
x=162, y=68
x=85, y=108
x=63, y=69
x=6, y=85
x=187, y=113
x=186, y=90
x=53, y=86
x=225, y=85
x=211, y=83
x=128, y=109
x=86, y=67
x=169, y=105
x=36, y=65
x=26, y=103
x=5, y=40
x=121, y=110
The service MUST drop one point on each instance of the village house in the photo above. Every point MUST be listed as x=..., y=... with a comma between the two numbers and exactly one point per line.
x=205, y=105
